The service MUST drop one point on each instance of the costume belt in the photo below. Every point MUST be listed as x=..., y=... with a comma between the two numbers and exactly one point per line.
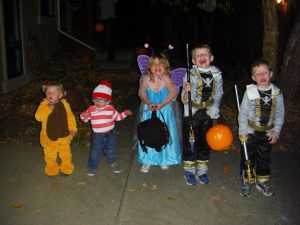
x=258, y=127
x=202, y=105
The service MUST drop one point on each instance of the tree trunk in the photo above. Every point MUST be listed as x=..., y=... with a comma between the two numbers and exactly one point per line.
x=290, y=71
x=270, y=33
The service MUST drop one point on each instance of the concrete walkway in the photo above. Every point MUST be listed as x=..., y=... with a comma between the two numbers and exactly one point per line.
x=123, y=60
x=29, y=197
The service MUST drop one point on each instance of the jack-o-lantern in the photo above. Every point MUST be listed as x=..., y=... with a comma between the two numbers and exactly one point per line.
x=86, y=58
x=219, y=137
x=99, y=27
x=140, y=51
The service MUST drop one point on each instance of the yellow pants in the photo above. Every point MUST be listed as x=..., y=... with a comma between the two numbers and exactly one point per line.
x=61, y=147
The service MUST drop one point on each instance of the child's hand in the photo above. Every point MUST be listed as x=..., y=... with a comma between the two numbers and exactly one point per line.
x=51, y=106
x=243, y=138
x=188, y=86
x=152, y=107
x=128, y=112
x=273, y=138
x=73, y=133
x=86, y=114
x=158, y=106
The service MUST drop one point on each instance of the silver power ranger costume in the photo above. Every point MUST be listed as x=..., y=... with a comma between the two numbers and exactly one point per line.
x=261, y=114
x=206, y=94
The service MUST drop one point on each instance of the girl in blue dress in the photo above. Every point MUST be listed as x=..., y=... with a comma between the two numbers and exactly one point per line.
x=157, y=92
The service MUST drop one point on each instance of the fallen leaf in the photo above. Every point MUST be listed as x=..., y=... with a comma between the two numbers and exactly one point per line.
x=16, y=205
x=226, y=169
x=39, y=210
x=12, y=180
x=145, y=185
x=215, y=198
x=171, y=198
x=81, y=183
x=153, y=187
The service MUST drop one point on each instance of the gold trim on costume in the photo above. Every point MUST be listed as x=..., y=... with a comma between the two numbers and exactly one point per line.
x=201, y=163
x=202, y=105
x=258, y=127
x=262, y=179
x=189, y=164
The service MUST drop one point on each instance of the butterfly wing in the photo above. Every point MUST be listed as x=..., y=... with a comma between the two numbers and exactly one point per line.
x=142, y=61
x=177, y=77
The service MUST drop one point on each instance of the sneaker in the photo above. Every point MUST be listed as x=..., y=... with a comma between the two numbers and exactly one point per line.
x=145, y=168
x=203, y=179
x=265, y=188
x=116, y=168
x=245, y=190
x=165, y=167
x=91, y=172
x=63, y=174
x=190, y=178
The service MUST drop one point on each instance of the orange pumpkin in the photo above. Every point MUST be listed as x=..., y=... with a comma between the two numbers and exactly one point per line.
x=86, y=58
x=140, y=51
x=219, y=137
x=99, y=27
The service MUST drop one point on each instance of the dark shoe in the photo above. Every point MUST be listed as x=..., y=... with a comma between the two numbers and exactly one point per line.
x=203, y=179
x=265, y=188
x=63, y=174
x=115, y=168
x=190, y=178
x=245, y=190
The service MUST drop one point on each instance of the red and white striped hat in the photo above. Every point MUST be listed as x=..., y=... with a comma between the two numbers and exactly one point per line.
x=103, y=90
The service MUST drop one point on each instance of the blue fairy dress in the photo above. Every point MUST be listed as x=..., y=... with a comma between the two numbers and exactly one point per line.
x=171, y=154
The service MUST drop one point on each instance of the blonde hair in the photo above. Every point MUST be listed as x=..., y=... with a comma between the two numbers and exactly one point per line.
x=260, y=62
x=205, y=46
x=161, y=59
x=56, y=84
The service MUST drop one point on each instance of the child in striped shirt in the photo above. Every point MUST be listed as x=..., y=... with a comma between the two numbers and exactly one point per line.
x=103, y=116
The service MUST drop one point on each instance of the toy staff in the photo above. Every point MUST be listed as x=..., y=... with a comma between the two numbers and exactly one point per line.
x=191, y=130
x=247, y=161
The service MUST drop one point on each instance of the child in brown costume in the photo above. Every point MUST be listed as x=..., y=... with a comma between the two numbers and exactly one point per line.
x=58, y=129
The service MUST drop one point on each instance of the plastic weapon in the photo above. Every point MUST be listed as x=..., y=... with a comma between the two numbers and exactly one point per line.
x=191, y=130
x=247, y=161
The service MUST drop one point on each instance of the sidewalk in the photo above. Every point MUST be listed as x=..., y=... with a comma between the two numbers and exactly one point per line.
x=29, y=197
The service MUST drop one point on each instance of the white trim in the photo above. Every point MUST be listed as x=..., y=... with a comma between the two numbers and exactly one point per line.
x=22, y=39
x=67, y=34
x=10, y=84
x=3, y=50
x=39, y=19
x=102, y=89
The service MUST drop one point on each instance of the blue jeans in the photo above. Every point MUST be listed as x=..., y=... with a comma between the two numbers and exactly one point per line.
x=102, y=143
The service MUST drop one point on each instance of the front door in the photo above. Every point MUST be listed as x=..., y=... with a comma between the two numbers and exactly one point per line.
x=13, y=43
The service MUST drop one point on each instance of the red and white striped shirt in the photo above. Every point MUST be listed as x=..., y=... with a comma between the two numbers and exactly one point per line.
x=102, y=119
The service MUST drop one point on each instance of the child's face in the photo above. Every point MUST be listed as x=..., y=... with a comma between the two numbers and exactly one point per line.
x=100, y=102
x=53, y=94
x=202, y=58
x=262, y=75
x=157, y=68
